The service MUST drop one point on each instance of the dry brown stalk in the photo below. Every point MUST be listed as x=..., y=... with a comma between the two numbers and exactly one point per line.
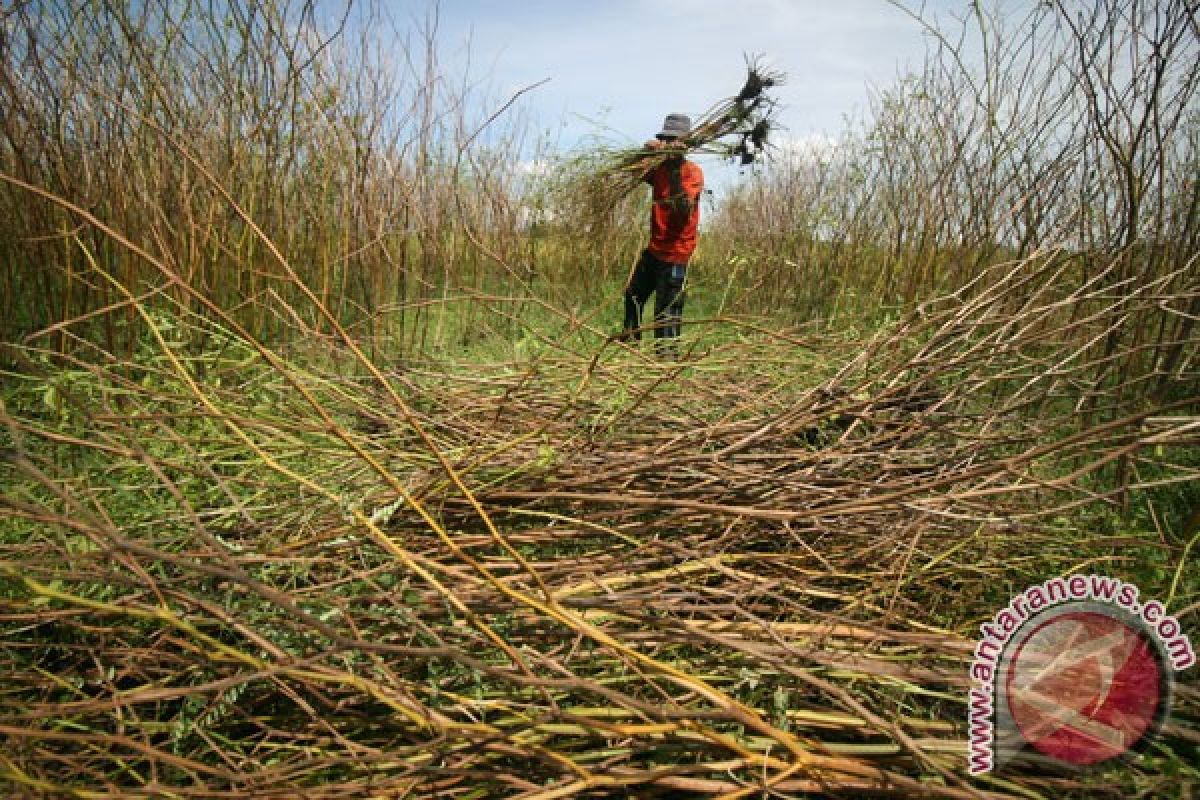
x=552, y=587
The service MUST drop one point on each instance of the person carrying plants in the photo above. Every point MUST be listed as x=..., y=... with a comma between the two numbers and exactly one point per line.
x=676, y=184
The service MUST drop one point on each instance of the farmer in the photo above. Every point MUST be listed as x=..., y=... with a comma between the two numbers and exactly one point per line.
x=674, y=217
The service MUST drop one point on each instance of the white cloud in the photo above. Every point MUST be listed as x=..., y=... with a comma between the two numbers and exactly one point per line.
x=806, y=147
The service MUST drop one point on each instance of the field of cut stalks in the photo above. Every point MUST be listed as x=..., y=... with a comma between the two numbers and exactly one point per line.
x=322, y=474
x=758, y=569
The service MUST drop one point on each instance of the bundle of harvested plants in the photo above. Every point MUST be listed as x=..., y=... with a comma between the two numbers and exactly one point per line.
x=736, y=127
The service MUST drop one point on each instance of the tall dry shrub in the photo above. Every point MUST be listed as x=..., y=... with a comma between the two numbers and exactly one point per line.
x=252, y=147
x=1052, y=131
x=1049, y=127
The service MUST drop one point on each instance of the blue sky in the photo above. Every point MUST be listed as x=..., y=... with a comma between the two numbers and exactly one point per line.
x=631, y=61
x=624, y=64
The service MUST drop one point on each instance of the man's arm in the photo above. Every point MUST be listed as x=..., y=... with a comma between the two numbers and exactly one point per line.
x=646, y=165
x=686, y=195
x=658, y=144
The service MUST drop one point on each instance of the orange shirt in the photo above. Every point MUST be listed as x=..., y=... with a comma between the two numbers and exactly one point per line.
x=675, y=210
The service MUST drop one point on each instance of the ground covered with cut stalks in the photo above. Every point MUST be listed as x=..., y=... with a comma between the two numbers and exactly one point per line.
x=758, y=570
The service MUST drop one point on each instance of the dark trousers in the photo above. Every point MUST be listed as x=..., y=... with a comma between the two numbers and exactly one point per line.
x=665, y=282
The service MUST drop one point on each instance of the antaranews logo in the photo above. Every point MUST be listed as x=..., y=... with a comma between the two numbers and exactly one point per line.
x=1075, y=669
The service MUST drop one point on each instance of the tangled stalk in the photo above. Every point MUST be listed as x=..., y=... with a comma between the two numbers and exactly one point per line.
x=228, y=573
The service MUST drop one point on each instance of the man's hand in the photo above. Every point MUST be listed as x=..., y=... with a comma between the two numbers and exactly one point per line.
x=665, y=144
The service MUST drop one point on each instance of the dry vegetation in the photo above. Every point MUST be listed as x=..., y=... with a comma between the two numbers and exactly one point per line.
x=322, y=476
